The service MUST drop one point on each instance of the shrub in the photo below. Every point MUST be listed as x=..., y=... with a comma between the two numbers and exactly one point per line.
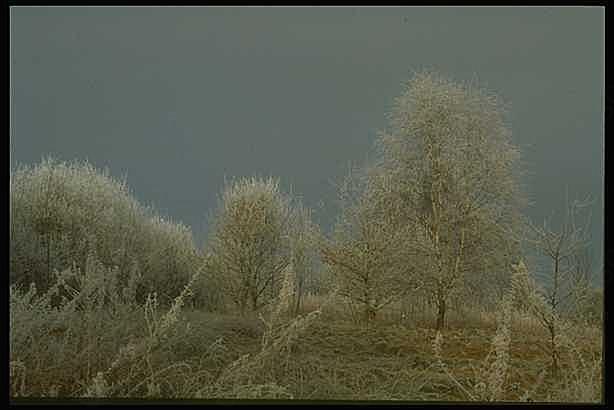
x=169, y=259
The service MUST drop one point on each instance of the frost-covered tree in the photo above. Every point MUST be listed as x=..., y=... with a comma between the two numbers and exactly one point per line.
x=249, y=244
x=60, y=212
x=449, y=166
x=368, y=254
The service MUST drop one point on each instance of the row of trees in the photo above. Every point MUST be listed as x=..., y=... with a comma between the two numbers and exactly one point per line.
x=63, y=214
x=438, y=212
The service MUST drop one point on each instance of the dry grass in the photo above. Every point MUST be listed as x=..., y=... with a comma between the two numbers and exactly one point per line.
x=325, y=356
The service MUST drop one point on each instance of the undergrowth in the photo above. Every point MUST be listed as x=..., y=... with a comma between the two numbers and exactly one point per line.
x=88, y=336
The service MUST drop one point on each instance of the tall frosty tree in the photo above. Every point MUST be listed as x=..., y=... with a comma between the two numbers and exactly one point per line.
x=447, y=171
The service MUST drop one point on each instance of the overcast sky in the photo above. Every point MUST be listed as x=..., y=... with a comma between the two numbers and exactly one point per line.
x=177, y=98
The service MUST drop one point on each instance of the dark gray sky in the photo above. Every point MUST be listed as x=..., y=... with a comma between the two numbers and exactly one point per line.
x=177, y=98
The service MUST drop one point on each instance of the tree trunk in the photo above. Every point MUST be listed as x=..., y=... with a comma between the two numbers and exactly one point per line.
x=49, y=275
x=254, y=303
x=241, y=302
x=554, y=352
x=297, y=307
x=441, y=313
x=369, y=313
x=242, y=307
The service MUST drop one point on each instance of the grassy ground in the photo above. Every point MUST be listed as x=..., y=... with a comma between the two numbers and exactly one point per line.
x=333, y=358
x=336, y=359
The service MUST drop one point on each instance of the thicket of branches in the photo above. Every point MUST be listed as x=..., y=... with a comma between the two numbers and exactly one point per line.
x=62, y=211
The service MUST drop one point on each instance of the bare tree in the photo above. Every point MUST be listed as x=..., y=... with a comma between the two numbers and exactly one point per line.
x=250, y=241
x=566, y=272
x=448, y=157
x=565, y=253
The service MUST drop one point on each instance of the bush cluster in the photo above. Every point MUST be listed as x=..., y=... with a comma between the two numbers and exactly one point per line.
x=62, y=211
